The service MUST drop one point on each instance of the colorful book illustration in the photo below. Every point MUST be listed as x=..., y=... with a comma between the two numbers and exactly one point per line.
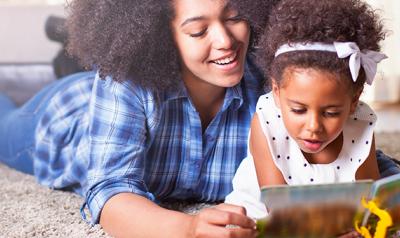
x=328, y=210
x=385, y=193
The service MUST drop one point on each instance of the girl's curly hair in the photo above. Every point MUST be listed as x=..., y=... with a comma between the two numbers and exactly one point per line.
x=327, y=21
x=132, y=39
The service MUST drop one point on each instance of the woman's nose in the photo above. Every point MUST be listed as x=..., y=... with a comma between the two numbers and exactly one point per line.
x=222, y=38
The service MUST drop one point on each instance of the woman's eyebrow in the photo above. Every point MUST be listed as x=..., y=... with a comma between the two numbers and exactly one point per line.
x=192, y=19
x=199, y=18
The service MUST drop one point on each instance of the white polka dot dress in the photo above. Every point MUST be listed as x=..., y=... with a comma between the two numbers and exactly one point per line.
x=357, y=136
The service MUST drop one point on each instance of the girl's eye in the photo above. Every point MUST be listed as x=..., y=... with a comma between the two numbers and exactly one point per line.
x=198, y=34
x=331, y=114
x=297, y=110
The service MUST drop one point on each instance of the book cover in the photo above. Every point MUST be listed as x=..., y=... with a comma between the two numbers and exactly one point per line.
x=327, y=210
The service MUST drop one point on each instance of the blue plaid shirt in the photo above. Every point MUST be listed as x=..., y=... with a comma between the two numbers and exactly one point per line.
x=100, y=138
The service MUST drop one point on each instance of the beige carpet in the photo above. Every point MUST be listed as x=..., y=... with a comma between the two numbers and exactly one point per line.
x=30, y=210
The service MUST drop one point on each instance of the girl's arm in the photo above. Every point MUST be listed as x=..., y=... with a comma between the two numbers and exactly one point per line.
x=267, y=172
x=369, y=169
x=130, y=215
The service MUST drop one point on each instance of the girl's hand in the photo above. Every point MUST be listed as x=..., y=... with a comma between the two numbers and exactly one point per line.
x=223, y=220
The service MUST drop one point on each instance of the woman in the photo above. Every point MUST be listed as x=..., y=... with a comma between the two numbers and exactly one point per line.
x=165, y=118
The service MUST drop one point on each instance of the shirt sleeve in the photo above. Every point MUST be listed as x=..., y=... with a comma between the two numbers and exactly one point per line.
x=117, y=138
x=246, y=191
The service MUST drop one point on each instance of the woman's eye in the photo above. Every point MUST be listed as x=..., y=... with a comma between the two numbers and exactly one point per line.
x=198, y=34
x=236, y=18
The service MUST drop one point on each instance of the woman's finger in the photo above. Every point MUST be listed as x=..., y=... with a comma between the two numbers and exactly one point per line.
x=227, y=215
x=231, y=208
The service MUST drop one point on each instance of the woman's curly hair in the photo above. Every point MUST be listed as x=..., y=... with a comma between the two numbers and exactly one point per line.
x=326, y=21
x=131, y=39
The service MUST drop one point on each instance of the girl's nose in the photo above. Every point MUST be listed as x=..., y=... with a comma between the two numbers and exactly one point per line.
x=313, y=123
x=222, y=38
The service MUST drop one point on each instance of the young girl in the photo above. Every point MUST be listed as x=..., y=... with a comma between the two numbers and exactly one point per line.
x=312, y=128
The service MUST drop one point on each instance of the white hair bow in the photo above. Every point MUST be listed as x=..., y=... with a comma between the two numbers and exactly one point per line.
x=368, y=59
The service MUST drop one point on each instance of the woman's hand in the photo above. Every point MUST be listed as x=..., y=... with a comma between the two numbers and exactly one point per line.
x=223, y=220
x=351, y=234
x=131, y=215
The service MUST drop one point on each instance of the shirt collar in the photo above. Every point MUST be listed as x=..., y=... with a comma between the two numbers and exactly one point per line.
x=233, y=94
x=178, y=92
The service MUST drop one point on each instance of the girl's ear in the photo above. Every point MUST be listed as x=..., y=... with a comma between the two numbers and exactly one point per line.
x=355, y=100
x=276, y=92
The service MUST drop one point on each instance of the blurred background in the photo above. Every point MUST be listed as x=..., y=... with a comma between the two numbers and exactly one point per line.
x=27, y=54
x=387, y=87
x=22, y=23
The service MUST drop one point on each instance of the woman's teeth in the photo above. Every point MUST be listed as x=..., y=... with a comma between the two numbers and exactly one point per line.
x=225, y=61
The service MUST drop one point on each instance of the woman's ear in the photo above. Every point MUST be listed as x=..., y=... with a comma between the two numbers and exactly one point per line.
x=276, y=92
x=354, y=101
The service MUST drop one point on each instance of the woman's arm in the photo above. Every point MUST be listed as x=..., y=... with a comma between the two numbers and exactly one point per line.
x=369, y=169
x=130, y=215
x=267, y=172
x=117, y=195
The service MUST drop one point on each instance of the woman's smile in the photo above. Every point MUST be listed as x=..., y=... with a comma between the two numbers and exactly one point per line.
x=227, y=62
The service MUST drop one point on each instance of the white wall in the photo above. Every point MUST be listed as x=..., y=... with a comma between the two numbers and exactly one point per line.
x=387, y=86
x=22, y=35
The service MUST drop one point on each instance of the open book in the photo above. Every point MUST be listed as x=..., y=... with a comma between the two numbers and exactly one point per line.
x=328, y=210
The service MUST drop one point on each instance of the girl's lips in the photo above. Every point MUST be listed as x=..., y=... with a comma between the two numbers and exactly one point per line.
x=312, y=145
